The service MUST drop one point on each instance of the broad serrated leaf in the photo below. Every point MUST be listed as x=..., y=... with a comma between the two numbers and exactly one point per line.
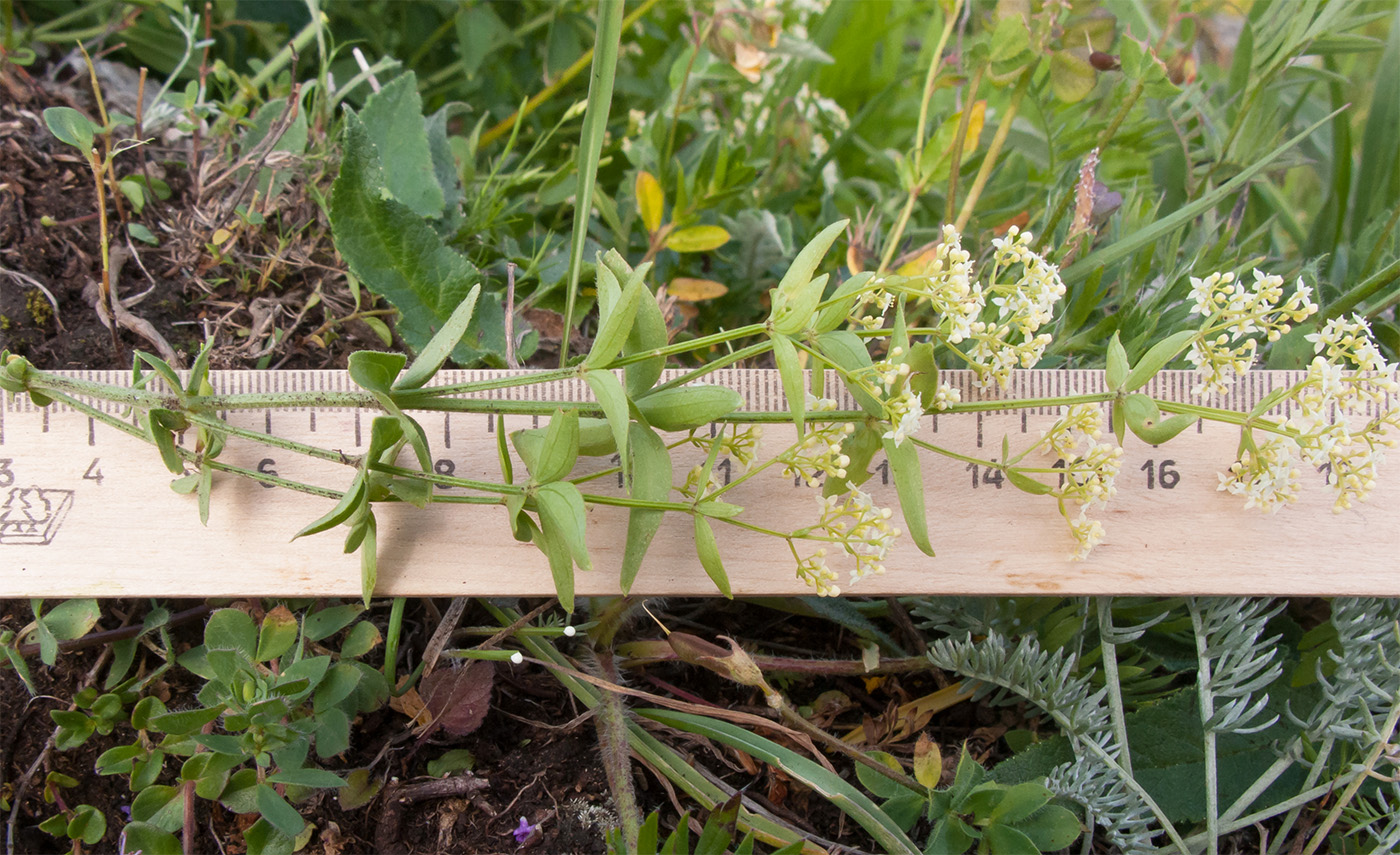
x=231, y=629
x=402, y=259
x=393, y=121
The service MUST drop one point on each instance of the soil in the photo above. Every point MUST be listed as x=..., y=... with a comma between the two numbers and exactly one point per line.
x=270, y=298
x=536, y=751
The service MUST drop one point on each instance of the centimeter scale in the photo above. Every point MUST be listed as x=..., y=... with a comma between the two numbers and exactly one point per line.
x=86, y=510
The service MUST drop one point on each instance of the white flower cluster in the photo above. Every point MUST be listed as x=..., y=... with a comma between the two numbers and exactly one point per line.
x=1331, y=432
x=861, y=528
x=819, y=452
x=1222, y=349
x=1267, y=476
x=1024, y=305
x=1090, y=471
x=941, y=277
x=694, y=489
x=741, y=446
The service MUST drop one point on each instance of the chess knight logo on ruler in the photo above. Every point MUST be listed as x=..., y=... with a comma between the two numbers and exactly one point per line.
x=32, y=515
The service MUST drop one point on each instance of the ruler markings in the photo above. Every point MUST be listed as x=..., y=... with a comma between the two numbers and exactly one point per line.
x=1015, y=545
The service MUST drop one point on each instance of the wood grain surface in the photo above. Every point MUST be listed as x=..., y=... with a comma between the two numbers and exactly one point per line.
x=87, y=511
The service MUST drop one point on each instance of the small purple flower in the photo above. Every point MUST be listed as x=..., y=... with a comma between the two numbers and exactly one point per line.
x=523, y=831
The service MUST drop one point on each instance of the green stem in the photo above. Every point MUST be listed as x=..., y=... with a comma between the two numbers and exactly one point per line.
x=993, y=151
x=723, y=362
x=595, y=122
x=692, y=345
x=1373, y=284
x=1063, y=206
x=1206, y=702
x=505, y=125
x=449, y=481
x=1112, y=682
x=1372, y=757
x=391, y=640
x=281, y=59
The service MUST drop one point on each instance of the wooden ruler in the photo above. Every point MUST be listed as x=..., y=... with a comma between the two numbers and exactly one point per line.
x=86, y=510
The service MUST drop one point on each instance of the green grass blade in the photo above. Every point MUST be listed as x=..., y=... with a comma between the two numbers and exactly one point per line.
x=595, y=122
x=1120, y=250
x=851, y=801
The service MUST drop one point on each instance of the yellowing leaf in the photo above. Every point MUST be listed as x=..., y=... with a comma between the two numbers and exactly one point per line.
x=696, y=290
x=697, y=239
x=975, y=121
x=650, y=200
x=220, y=237
x=919, y=264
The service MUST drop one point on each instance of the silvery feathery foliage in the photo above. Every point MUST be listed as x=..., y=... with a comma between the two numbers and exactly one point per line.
x=1236, y=660
x=1049, y=681
x=1365, y=682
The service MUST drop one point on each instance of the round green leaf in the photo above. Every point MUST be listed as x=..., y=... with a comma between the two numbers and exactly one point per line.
x=71, y=127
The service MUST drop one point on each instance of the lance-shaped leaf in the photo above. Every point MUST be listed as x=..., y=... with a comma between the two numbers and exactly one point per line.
x=841, y=303
x=561, y=563
x=608, y=390
x=651, y=482
x=799, y=273
x=1157, y=358
x=161, y=426
x=443, y=342
x=349, y=503
x=1116, y=374
x=1026, y=483
x=651, y=200
x=503, y=452
x=648, y=330
x=376, y=372
x=707, y=549
x=688, y=407
x=369, y=557
x=909, y=483
x=793, y=314
x=851, y=801
x=923, y=371
x=847, y=352
x=616, y=316
x=558, y=452
x=1145, y=420
x=562, y=512
x=790, y=372
x=697, y=239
